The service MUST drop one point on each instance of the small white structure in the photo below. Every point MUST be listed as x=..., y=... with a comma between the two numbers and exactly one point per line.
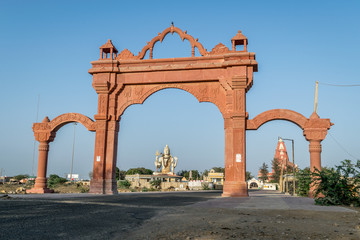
x=195, y=184
x=254, y=184
x=269, y=186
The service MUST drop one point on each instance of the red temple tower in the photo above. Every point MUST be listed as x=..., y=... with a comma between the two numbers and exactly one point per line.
x=282, y=157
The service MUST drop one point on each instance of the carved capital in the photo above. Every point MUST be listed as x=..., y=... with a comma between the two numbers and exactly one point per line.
x=44, y=136
x=239, y=82
x=315, y=134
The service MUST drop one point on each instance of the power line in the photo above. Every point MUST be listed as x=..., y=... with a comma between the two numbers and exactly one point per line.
x=342, y=147
x=340, y=85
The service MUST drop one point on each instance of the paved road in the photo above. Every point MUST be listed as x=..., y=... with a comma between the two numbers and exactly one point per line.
x=86, y=216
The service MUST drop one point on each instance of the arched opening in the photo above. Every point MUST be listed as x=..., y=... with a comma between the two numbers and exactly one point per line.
x=262, y=144
x=193, y=131
x=60, y=154
x=254, y=185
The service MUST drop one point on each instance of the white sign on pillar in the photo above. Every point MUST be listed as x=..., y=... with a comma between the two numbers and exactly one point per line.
x=238, y=157
x=98, y=158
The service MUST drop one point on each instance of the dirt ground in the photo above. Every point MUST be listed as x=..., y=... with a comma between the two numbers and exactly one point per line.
x=199, y=223
x=186, y=215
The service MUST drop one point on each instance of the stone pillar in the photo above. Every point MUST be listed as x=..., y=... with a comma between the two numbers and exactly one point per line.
x=110, y=184
x=235, y=129
x=315, y=161
x=103, y=181
x=235, y=164
x=315, y=131
x=40, y=181
x=97, y=182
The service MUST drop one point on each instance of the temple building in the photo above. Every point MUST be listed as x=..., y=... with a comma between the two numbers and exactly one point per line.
x=282, y=157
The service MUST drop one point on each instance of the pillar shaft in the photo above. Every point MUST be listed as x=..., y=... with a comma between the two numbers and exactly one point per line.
x=315, y=161
x=110, y=184
x=315, y=154
x=97, y=182
x=235, y=163
x=40, y=181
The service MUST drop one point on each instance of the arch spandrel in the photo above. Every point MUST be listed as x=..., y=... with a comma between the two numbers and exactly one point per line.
x=276, y=114
x=203, y=92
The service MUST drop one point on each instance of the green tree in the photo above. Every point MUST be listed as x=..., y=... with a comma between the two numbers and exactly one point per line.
x=248, y=176
x=181, y=173
x=338, y=186
x=264, y=172
x=277, y=170
x=140, y=170
x=54, y=180
x=304, y=180
x=119, y=174
x=219, y=169
x=156, y=183
x=21, y=176
x=124, y=184
x=186, y=174
x=205, y=173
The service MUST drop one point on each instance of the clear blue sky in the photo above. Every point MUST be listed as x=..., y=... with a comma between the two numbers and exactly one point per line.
x=46, y=48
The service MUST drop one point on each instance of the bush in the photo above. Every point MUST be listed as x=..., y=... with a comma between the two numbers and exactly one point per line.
x=21, y=176
x=338, y=186
x=54, y=180
x=124, y=184
x=140, y=170
x=205, y=186
x=156, y=183
x=304, y=181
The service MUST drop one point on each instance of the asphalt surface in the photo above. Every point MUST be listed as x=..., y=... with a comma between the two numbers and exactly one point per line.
x=87, y=216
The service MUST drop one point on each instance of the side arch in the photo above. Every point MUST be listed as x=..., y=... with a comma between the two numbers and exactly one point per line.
x=66, y=118
x=135, y=94
x=276, y=114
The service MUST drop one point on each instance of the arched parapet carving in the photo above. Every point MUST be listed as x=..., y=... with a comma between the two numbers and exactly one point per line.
x=276, y=114
x=203, y=92
x=46, y=130
x=126, y=54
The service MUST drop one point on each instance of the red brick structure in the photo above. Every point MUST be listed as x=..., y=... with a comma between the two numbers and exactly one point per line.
x=221, y=76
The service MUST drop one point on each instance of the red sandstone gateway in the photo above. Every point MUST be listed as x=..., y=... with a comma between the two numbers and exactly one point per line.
x=221, y=76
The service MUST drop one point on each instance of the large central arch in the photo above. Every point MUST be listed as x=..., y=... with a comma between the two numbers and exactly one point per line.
x=220, y=76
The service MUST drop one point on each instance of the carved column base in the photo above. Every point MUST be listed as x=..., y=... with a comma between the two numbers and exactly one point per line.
x=39, y=190
x=235, y=189
x=97, y=186
x=110, y=186
x=103, y=186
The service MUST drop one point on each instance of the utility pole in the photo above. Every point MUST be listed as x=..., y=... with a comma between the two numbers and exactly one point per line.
x=37, y=116
x=73, y=149
x=293, y=158
x=3, y=175
x=316, y=96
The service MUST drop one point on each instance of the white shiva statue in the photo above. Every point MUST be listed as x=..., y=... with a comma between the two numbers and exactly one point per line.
x=166, y=162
